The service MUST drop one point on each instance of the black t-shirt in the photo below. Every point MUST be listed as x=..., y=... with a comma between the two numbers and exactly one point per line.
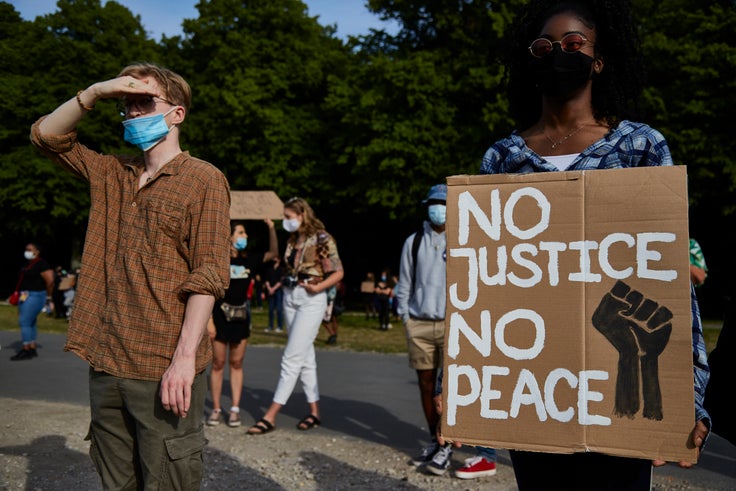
x=32, y=279
x=383, y=284
x=242, y=271
x=273, y=275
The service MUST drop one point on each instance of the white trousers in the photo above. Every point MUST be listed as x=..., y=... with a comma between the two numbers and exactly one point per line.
x=303, y=314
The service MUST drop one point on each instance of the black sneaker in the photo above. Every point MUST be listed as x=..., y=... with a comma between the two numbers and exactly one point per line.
x=24, y=354
x=332, y=339
x=441, y=460
x=427, y=454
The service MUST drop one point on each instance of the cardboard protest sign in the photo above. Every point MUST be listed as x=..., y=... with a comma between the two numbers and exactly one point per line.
x=367, y=287
x=67, y=282
x=255, y=205
x=568, y=323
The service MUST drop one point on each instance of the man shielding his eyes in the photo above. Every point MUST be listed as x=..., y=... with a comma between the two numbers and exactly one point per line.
x=156, y=256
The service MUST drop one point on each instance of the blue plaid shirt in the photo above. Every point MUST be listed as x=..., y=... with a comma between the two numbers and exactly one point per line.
x=629, y=145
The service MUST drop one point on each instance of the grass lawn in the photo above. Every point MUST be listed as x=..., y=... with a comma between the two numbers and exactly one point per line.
x=355, y=332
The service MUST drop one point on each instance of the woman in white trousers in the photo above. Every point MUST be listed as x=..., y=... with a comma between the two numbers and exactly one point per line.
x=313, y=266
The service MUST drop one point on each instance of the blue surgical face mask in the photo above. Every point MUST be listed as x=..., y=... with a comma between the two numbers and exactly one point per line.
x=437, y=214
x=240, y=243
x=146, y=131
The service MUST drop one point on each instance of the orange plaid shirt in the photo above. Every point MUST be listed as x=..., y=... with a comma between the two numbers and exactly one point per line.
x=146, y=250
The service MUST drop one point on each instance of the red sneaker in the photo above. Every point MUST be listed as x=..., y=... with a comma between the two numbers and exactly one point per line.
x=476, y=467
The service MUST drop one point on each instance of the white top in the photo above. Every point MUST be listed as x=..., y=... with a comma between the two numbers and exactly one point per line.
x=562, y=162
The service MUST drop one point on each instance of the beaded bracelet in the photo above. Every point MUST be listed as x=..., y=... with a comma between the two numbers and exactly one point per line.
x=81, y=104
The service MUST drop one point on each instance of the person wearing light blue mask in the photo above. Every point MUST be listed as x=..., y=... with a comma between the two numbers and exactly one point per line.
x=230, y=333
x=241, y=243
x=146, y=131
x=151, y=131
x=162, y=218
x=420, y=297
x=437, y=214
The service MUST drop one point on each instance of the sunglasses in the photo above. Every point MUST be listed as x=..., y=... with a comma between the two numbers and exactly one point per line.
x=571, y=43
x=145, y=104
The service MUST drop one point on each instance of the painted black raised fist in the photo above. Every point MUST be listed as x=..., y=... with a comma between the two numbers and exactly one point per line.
x=639, y=329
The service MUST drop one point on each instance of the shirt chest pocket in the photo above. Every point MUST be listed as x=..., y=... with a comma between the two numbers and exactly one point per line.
x=163, y=223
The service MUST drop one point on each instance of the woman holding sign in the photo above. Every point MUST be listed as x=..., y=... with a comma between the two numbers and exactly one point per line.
x=573, y=72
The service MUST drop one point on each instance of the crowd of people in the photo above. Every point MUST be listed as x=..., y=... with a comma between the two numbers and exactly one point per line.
x=378, y=294
x=169, y=281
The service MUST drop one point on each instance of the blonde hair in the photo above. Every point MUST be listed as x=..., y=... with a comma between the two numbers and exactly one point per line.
x=310, y=223
x=175, y=88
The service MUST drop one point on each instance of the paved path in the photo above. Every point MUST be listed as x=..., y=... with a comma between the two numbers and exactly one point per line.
x=364, y=395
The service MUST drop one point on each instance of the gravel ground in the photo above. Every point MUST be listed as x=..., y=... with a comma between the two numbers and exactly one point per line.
x=369, y=433
x=42, y=447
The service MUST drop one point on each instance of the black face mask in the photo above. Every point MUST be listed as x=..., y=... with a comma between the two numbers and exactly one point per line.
x=560, y=74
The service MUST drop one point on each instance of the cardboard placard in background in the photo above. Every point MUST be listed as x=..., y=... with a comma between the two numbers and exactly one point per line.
x=67, y=282
x=367, y=287
x=255, y=205
x=568, y=323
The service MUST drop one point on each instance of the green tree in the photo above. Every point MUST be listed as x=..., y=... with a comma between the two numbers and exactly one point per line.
x=360, y=128
x=691, y=59
x=260, y=74
x=422, y=104
x=43, y=63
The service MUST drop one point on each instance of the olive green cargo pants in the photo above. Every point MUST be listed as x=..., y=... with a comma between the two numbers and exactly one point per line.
x=136, y=444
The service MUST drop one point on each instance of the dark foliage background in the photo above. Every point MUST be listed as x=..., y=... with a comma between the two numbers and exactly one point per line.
x=359, y=127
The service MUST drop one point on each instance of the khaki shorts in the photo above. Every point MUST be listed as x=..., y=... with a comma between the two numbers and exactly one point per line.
x=426, y=341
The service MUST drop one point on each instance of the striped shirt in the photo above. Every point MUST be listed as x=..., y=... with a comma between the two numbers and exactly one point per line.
x=145, y=252
x=629, y=145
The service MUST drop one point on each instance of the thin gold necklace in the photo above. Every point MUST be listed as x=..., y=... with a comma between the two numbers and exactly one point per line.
x=559, y=142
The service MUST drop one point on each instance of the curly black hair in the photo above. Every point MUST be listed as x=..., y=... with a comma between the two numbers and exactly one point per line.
x=616, y=90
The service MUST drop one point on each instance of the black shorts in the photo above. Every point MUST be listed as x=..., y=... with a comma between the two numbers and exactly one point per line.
x=229, y=332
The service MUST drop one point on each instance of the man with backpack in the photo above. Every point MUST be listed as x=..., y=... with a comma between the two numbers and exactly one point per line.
x=421, y=305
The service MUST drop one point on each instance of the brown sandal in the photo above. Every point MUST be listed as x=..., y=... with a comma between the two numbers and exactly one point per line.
x=261, y=428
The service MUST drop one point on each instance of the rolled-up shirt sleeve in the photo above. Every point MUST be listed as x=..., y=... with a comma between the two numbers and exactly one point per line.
x=65, y=150
x=209, y=241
